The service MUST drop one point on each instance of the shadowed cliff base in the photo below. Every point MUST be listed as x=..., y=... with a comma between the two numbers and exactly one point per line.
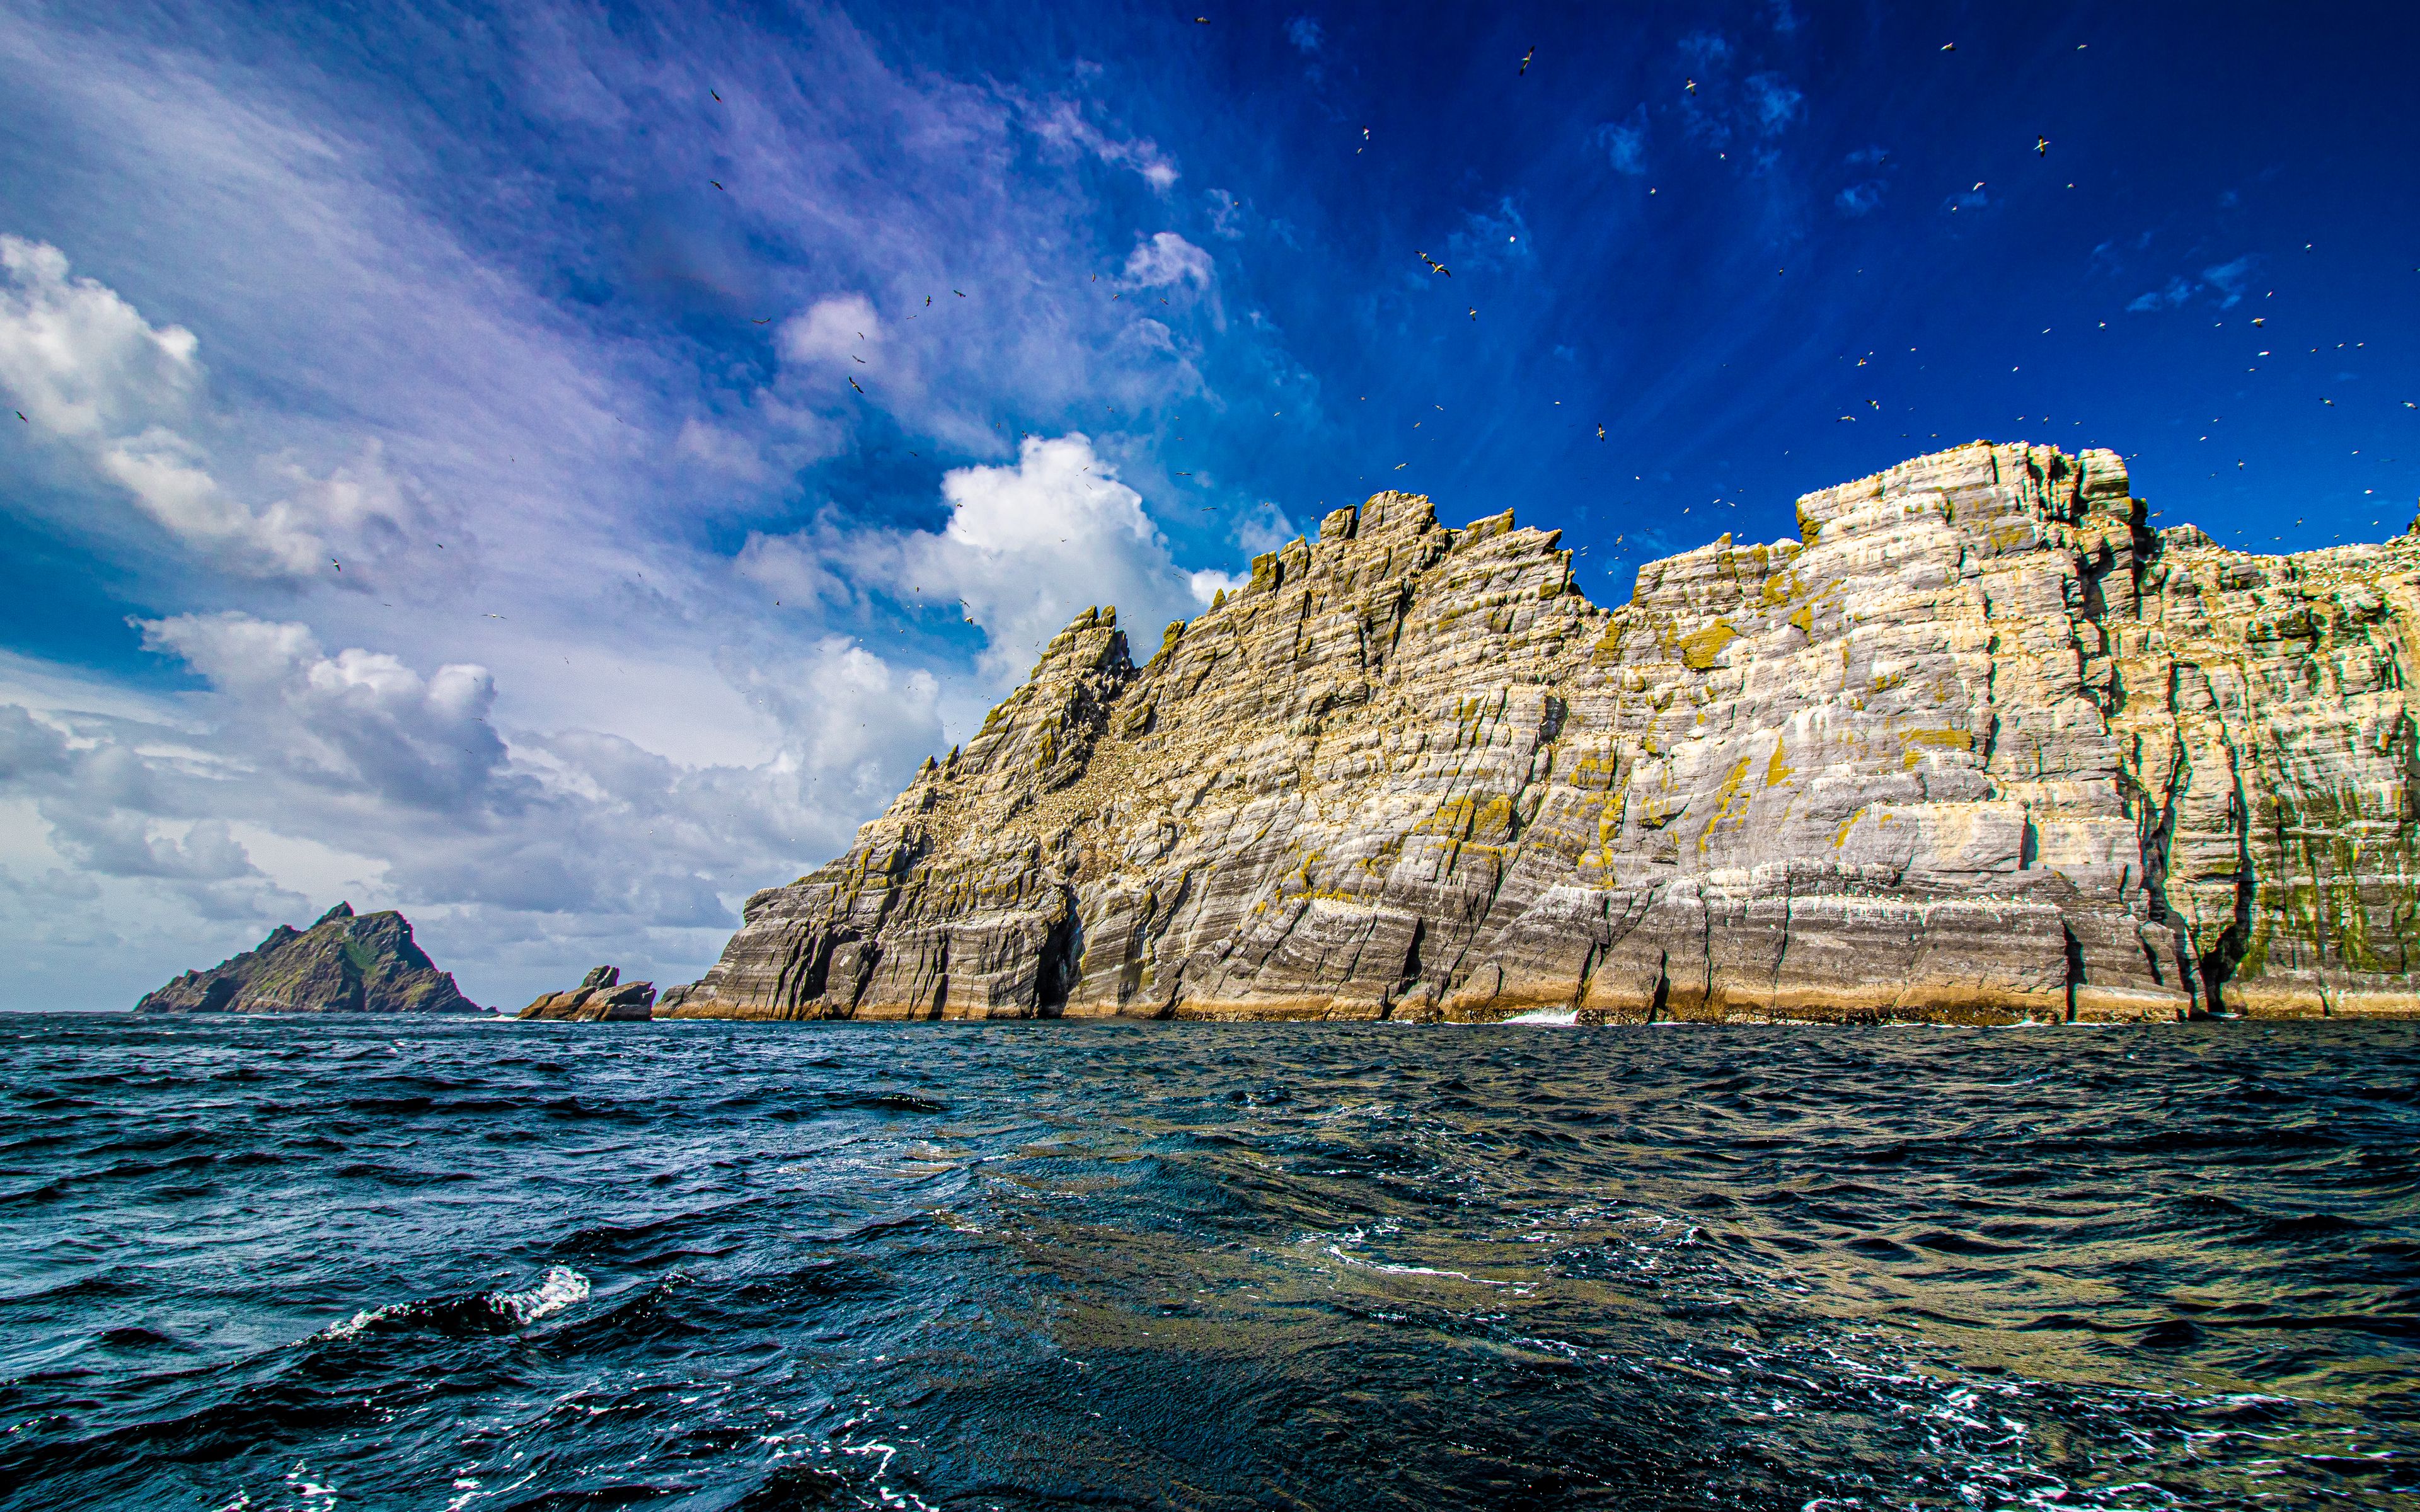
x=1980, y=747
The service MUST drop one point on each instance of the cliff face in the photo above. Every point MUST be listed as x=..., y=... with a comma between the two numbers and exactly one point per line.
x=1980, y=747
x=343, y=964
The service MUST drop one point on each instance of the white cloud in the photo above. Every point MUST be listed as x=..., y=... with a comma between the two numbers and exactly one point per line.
x=1207, y=584
x=1028, y=546
x=1062, y=123
x=833, y=330
x=357, y=721
x=1303, y=32
x=1167, y=260
x=1025, y=548
x=1264, y=527
x=86, y=366
x=300, y=768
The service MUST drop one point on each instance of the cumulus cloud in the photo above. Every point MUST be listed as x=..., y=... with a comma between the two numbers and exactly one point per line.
x=1027, y=546
x=358, y=721
x=97, y=377
x=1304, y=32
x=832, y=330
x=299, y=770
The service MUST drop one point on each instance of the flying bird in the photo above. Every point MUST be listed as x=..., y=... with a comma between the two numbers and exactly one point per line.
x=1474, y=312
x=959, y=293
x=1949, y=47
x=334, y=563
x=20, y=414
x=854, y=358
x=2330, y=403
x=1401, y=466
x=1876, y=403
x=1435, y=265
x=1689, y=84
x=1600, y=433
x=2042, y=146
x=852, y=383
x=1526, y=57
x=754, y=321
x=1851, y=419
x=928, y=301
x=717, y=184
x=717, y=98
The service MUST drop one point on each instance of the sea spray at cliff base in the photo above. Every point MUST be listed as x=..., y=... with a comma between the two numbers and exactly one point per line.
x=436, y=1262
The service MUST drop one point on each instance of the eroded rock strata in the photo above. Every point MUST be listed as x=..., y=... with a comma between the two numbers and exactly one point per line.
x=601, y=998
x=1980, y=747
x=345, y=962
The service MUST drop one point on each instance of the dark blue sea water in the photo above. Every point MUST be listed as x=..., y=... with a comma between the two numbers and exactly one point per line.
x=329, y=1264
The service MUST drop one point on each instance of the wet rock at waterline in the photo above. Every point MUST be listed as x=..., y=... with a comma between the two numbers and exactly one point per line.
x=1980, y=746
x=603, y=996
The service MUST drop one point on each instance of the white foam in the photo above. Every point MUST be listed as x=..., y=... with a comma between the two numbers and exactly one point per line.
x=360, y=1321
x=562, y=1286
x=1545, y=1015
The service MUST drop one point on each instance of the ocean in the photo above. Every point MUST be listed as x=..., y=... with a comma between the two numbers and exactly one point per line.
x=371, y=1263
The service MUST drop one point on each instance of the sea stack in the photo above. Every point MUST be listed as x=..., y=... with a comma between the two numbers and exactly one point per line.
x=343, y=964
x=1979, y=745
x=601, y=998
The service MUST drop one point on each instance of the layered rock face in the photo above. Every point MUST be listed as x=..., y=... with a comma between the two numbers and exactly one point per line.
x=343, y=964
x=601, y=998
x=1980, y=747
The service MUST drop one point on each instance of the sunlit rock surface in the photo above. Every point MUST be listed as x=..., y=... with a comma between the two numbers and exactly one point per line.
x=345, y=962
x=601, y=998
x=1980, y=747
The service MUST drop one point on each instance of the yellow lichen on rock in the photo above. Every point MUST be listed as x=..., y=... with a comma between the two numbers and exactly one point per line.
x=2041, y=762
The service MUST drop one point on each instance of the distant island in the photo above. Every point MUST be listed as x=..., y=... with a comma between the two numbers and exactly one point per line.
x=343, y=964
x=1982, y=745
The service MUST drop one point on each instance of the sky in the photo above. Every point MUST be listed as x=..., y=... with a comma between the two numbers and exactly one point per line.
x=557, y=469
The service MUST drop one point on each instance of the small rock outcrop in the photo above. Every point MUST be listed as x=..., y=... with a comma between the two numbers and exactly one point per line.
x=343, y=964
x=1980, y=746
x=601, y=998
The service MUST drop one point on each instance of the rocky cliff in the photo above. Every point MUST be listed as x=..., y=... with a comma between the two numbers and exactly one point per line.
x=343, y=964
x=1980, y=746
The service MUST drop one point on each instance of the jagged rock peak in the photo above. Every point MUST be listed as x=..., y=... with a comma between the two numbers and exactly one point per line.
x=1979, y=745
x=343, y=964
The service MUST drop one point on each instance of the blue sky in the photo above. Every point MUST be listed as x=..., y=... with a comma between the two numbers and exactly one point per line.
x=505, y=465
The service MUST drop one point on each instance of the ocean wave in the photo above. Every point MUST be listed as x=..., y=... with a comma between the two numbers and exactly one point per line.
x=478, y=1312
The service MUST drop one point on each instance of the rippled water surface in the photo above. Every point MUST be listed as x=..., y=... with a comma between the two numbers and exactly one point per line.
x=286, y=1264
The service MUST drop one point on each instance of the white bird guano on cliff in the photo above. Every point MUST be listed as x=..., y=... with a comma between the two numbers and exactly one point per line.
x=1980, y=747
